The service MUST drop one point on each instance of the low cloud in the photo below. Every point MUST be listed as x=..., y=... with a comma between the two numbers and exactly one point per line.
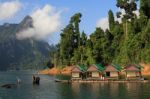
x=9, y=9
x=45, y=22
x=103, y=23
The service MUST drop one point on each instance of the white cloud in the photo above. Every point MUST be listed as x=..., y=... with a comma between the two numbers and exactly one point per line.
x=103, y=23
x=137, y=13
x=45, y=22
x=9, y=9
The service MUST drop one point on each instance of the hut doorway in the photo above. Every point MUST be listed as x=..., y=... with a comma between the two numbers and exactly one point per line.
x=108, y=74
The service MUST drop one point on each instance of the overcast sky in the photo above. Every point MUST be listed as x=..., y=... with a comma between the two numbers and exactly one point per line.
x=51, y=16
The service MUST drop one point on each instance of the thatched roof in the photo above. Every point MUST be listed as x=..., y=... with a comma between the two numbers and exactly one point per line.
x=113, y=67
x=133, y=67
x=79, y=68
x=95, y=67
x=76, y=69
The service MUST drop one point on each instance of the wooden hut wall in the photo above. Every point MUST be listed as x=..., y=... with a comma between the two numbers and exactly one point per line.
x=132, y=74
x=95, y=74
x=76, y=74
x=113, y=74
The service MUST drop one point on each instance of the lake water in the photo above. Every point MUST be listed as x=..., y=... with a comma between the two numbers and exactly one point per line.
x=48, y=89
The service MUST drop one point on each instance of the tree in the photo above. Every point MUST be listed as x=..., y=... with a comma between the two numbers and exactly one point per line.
x=82, y=47
x=128, y=18
x=111, y=20
x=70, y=39
x=79, y=53
x=107, y=52
x=75, y=20
x=145, y=43
x=97, y=39
x=128, y=6
x=144, y=7
x=67, y=44
x=83, y=39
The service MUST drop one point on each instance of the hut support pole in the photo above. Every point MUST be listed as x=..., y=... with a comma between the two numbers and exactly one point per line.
x=126, y=75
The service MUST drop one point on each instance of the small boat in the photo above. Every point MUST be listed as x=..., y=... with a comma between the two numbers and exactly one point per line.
x=58, y=80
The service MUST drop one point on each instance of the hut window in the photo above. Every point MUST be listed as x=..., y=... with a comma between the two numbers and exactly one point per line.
x=90, y=74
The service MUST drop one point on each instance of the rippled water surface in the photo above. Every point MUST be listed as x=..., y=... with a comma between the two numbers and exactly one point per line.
x=48, y=89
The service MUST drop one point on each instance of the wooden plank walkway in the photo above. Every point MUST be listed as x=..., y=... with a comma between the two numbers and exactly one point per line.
x=103, y=81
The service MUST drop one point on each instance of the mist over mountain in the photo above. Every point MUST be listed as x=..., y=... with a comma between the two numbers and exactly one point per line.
x=21, y=54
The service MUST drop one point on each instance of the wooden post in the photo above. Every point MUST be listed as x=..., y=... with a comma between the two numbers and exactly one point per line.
x=126, y=75
x=140, y=74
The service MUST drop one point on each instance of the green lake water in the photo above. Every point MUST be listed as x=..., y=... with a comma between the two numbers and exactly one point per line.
x=48, y=89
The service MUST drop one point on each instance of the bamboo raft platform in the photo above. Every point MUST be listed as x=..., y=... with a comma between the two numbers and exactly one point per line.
x=102, y=81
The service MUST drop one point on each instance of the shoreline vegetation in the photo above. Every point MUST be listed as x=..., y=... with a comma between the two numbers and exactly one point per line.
x=67, y=70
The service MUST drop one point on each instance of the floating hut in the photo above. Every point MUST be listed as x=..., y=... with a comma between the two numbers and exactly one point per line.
x=78, y=72
x=133, y=71
x=112, y=71
x=95, y=71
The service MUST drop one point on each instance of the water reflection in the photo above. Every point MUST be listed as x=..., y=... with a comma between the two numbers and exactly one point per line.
x=81, y=90
x=75, y=88
x=133, y=90
x=107, y=90
x=95, y=90
x=113, y=88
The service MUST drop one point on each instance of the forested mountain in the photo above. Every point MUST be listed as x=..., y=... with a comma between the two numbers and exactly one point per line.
x=21, y=54
x=124, y=42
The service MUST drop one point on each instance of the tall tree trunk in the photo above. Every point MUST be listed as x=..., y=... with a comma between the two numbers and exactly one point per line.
x=81, y=59
x=126, y=31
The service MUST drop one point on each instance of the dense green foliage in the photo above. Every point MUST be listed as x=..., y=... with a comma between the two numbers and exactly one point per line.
x=124, y=42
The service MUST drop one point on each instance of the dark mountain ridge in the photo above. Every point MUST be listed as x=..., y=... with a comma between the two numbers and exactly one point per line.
x=21, y=54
